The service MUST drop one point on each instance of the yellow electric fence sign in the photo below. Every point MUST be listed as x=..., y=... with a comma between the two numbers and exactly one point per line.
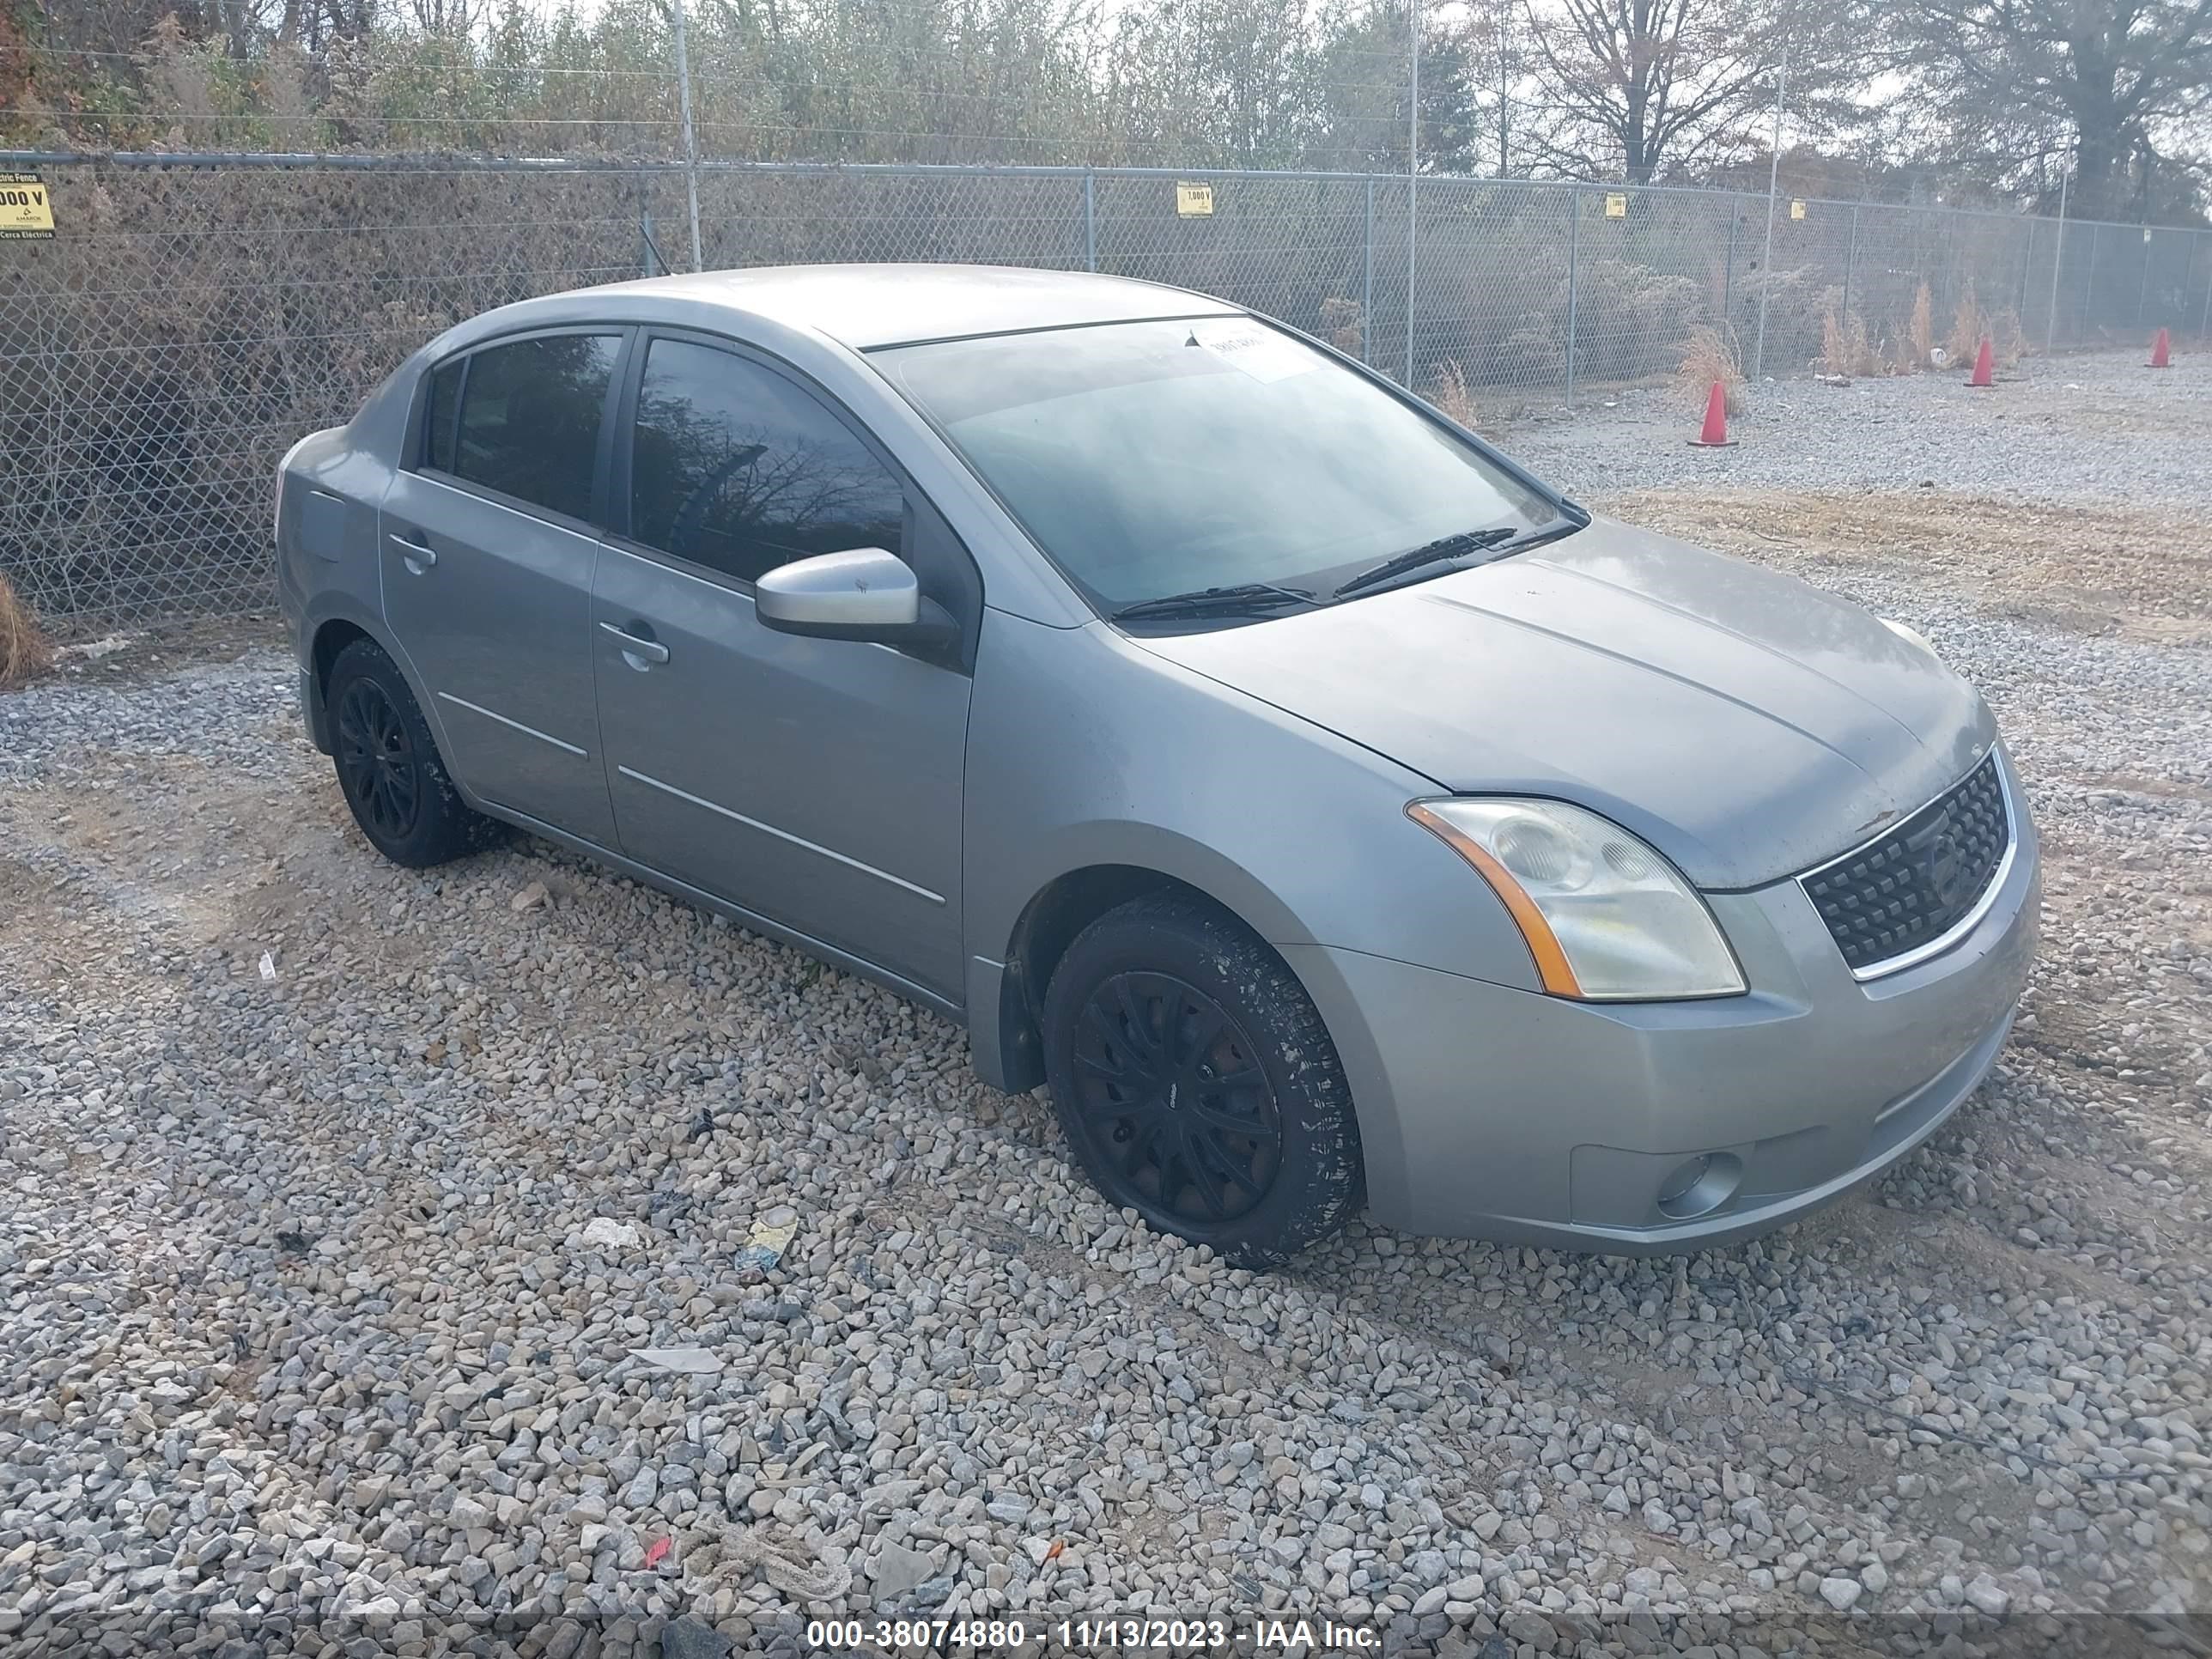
x=1194, y=201
x=27, y=212
x=1796, y=210
x=1616, y=206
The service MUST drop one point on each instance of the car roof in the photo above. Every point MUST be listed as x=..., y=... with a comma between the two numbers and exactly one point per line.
x=863, y=306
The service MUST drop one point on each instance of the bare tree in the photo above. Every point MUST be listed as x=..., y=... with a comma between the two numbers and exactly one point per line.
x=2116, y=74
x=1634, y=89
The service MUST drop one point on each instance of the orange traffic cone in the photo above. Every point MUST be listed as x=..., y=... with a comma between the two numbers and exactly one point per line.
x=1985, y=365
x=1714, y=434
x=2159, y=349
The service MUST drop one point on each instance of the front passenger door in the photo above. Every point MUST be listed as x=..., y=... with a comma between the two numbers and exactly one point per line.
x=814, y=782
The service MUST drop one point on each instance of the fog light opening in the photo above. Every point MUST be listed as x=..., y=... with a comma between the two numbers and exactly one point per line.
x=1699, y=1185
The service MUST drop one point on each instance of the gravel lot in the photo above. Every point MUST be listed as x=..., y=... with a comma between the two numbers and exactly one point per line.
x=2096, y=426
x=322, y=1290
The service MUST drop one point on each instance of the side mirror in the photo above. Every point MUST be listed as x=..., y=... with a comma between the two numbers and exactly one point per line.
x=865, y=594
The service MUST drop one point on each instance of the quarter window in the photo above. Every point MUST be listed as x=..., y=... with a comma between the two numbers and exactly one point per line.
x=530, y=418
x=438, y=417
x=738, y=469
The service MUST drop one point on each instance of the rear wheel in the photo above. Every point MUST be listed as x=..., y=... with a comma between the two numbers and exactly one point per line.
x=388, y=765
x=1197, y=1084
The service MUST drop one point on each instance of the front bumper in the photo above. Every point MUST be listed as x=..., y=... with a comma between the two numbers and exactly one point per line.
x=1490, y=1112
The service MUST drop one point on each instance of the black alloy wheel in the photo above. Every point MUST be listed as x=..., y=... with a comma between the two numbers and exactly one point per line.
x=389, y=767
x=1196, y=1082
x=376, y=761
x=1173, y=1097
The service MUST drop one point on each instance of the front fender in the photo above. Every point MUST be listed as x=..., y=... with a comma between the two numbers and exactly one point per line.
x=1085, y=752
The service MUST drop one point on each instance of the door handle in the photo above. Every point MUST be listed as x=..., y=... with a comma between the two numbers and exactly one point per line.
x=633, y=646
x=416, y=555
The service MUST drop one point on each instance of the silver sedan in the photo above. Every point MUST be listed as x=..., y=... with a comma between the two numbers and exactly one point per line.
x=1328, y=811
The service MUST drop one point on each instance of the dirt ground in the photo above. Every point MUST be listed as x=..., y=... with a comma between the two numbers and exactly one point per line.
x=2142, y=572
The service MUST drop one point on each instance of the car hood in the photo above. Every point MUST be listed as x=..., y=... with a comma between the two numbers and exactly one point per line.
x=1748, y=726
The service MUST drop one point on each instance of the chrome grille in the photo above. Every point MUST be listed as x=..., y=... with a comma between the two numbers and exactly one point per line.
x=1906, y=889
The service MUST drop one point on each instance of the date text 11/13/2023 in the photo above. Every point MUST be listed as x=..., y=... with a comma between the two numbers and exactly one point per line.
x=1088, y=1636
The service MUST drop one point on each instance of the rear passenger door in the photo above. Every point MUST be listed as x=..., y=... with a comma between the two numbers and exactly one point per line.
x=814, y=782
x=487, y=545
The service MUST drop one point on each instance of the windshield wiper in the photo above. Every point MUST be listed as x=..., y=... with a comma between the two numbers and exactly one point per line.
x=1439, y=551
x=1243, y=596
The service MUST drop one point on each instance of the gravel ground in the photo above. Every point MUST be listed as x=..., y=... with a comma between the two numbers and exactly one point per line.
x=323, y=1290
x=2090, y=427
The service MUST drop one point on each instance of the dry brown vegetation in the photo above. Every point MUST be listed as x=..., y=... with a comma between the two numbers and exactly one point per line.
x=1968, y=325
x=1920, y=333
x=1343, y=324
x=24, y=651
x=1709, y=357
x=1845, y=347
x=2008, y=338
x=1448, y=392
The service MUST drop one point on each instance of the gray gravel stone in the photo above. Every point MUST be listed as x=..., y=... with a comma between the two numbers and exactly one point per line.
x=317, y=1294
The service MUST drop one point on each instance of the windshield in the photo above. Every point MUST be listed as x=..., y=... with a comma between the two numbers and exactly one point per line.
x=1151, y=458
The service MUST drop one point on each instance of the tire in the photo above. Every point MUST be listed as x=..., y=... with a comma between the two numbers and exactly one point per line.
x=389, y=767
x=1231, y=1126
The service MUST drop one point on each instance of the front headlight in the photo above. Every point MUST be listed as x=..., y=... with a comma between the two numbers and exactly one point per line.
x=1605, y=916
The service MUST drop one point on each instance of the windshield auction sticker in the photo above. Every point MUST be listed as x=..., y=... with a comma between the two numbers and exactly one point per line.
x=27, y=210
x=1255, y=348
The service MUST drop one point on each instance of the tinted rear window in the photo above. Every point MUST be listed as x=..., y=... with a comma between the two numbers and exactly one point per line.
x=530, y=418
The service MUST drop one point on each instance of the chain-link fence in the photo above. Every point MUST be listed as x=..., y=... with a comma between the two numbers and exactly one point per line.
x=194, y=315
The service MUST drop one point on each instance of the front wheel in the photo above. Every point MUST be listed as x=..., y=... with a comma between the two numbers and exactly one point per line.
x=1197, y=1084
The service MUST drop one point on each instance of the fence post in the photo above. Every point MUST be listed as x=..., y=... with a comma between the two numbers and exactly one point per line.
x=2142, y=282
x=1574, y=243
x=647, y=264
x=1412, y=168
x=1773, y=185
x=2026, y=272
x=2057, y=264
x=690, y=139
x=1367, y=282
x=1850, y=255
x=1090, y=220
x=1728, y=273
x=2205, y=322
x=2089, y=283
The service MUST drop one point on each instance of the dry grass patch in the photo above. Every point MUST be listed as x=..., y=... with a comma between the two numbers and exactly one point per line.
x=1845, y=347
x=1920, y=333
x=2008, y=338
x=2144, y=572
x=1709, y=357
x=24, y=651
x=1448, y=391
x=1344, y=325
x=1968, y=325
